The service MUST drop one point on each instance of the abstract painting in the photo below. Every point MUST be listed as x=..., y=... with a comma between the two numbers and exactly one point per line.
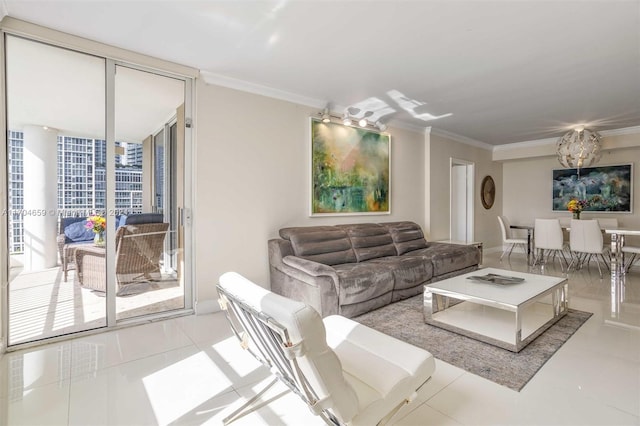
x=605, y=189
x=350, y=170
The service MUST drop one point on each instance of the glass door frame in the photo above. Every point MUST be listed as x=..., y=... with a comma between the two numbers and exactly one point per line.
x=184, y=219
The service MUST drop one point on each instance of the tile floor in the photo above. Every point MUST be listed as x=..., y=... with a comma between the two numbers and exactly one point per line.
x=42, y=305
x=190, y=371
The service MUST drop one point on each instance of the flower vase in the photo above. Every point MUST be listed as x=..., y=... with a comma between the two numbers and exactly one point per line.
x=98, y=239
x=576, y=215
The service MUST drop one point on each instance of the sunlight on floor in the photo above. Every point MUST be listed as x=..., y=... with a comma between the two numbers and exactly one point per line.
x=42, y=305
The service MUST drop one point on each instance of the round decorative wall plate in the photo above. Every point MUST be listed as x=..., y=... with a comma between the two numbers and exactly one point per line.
x=487, y=192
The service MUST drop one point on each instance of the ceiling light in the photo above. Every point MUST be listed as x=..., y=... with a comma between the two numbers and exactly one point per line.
x=381, y=126
x=346, y=119
x=363, y=122
x=326, y=118
x=579, y=148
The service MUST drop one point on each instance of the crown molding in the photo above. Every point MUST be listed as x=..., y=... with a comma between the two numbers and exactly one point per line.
x=525, y=144
x=462, y=139
x=623, y=131
x=408, y=126
x=259, y=89
x=552, y=141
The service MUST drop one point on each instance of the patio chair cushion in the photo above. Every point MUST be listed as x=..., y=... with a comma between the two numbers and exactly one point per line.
x=136, y=219
x=77, y=232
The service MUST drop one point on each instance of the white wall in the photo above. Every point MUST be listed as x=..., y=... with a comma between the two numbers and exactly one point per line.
x=437, y=213
x=527, y=186
x=252, y=178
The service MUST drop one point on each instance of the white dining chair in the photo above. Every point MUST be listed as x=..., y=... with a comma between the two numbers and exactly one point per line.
x=586, y=243
x=548, y=236
x=632, y=252
x=507, y=237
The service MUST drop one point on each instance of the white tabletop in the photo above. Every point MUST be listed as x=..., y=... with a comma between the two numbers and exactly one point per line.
x=508, y=294
x=622, y=231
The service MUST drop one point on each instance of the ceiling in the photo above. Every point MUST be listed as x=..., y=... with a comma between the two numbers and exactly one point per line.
x=498, y=72
x=65, y=90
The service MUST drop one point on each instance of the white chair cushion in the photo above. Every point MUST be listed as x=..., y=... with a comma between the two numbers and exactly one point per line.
x=320, y=364
x=548, y=234
x=364, y=353
x=586, y=236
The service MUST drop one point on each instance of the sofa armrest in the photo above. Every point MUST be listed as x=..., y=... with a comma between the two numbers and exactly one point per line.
x=310, y=282
x=310, y=267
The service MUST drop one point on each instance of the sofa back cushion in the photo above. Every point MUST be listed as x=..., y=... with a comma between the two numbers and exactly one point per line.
x=322, y=244
x=407, y=236
x=370, y=241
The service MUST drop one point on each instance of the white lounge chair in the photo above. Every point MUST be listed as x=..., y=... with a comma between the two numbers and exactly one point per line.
x=345, y=372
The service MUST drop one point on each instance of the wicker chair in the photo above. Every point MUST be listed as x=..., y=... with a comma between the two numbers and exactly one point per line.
x=66, y=246
x=138, y=251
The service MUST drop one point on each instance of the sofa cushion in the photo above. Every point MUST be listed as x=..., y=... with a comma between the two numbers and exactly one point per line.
x=370, y=241
x=330, y=246
x=286, y=233
x=449, y=257
x=408, y=271
x=77, y=232
x=407, y=236
x=360, y=282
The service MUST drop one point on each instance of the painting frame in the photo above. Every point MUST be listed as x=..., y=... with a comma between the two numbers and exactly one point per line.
x=350, y=170
x=608, y=189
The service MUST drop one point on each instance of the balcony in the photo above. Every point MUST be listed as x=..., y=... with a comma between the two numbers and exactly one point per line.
x=42, y=305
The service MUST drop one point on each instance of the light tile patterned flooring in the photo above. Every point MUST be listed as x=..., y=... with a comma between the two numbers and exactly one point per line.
x=190, y=370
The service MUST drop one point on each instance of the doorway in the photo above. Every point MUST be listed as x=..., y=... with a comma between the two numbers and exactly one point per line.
x=462, y=181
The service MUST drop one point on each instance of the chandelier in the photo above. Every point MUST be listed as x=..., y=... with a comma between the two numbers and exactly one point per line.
x=579, y=148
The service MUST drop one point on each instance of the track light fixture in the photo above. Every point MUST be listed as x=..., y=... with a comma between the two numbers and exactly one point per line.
x=326, y=118
x=353, y=115
x=381, y=126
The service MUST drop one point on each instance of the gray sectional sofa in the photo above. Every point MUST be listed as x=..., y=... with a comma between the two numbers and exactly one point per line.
x=353, y=269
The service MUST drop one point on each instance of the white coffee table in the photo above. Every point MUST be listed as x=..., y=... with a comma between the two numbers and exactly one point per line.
x=506, y=315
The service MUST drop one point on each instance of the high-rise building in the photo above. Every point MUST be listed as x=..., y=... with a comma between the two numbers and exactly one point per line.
x=81, y=181
x=134, y=154
x=16, y=190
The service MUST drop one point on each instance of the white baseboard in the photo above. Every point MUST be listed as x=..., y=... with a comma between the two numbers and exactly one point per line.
x=207, y=306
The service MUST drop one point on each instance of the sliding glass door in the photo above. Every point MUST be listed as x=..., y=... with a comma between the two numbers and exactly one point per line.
x=56, y=134
x=95, y=166
x=147, y=106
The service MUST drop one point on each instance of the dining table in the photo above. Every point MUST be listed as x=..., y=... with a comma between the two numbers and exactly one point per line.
x=617, y=242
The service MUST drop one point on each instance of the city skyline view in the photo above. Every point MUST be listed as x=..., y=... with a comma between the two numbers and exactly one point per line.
x=81, y=180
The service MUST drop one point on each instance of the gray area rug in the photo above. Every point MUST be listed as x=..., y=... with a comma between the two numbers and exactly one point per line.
x=403, y=320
